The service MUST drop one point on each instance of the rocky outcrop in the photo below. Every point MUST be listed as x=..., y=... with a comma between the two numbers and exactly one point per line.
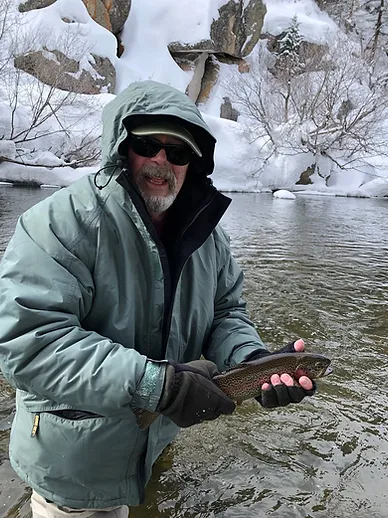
x=96, y=74
x=196, y=63
x=111, y=14
x=118, y=11
x=311, y=56
x=227, y=111
x=234, y=33
x=238, y=28
x=55, y=69
x=99, y=13
x=233, y=36
x=209, y=79
x=29, y=5
x=304, y=178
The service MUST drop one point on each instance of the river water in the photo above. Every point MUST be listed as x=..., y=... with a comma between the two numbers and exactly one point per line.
x=315, y=268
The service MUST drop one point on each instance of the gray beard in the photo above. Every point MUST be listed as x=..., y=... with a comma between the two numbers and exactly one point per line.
x=157, y=204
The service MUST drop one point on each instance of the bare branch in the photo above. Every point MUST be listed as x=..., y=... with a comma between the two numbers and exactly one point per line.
x=331, y=106
x=74, y=164
x=40, y=112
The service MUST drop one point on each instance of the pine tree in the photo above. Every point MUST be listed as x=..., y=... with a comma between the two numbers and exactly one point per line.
x=290, y=42
x=288, y=62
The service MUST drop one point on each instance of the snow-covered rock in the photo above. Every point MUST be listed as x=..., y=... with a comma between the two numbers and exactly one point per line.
x=7, y=149
x=283, y=194
x=199, y=48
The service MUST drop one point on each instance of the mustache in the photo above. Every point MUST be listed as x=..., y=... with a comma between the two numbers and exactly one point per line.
x=163, y=172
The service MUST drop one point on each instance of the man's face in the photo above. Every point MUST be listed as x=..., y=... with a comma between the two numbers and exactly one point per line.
x=158, y=181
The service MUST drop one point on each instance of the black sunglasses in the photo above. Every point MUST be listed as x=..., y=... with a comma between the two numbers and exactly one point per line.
x=148, y=147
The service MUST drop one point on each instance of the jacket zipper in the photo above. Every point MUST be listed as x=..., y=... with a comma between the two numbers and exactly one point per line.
x=169, y=290
x=193, y=220
x=126, y=183
x=35, y=425
x=169, y=310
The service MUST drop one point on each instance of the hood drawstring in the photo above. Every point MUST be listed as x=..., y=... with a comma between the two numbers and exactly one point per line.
x=119, y=164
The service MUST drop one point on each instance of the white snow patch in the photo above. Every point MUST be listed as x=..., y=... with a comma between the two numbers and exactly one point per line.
x=283, y=194
x=7, y=149
x=315, y=25
x=150, y=28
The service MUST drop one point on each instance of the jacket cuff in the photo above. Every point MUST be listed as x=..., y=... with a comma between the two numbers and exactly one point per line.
x=241, y=354
x=150, y=388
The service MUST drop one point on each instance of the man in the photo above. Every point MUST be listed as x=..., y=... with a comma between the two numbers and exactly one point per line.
x=109, y=290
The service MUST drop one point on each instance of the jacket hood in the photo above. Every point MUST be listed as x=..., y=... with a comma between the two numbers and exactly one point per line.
x=148, y=101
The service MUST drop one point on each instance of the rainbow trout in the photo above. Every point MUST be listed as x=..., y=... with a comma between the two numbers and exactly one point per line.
x=244, y=380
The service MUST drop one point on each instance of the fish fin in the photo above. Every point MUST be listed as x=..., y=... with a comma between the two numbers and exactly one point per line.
x=145, y=418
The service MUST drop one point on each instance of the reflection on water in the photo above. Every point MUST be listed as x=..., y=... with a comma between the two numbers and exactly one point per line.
x=13, y=493
x=13, y=202
x=317, y=268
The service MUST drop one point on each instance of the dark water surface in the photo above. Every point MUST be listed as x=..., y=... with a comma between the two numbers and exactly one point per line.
x=315, y=268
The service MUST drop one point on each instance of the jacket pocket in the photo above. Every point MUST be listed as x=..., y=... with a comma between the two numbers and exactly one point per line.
x=74, y=415
x=85, y=454
x=69, y=414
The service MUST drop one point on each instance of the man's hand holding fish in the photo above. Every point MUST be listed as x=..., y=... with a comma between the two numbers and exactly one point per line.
x=283, y=388
x=196, y=391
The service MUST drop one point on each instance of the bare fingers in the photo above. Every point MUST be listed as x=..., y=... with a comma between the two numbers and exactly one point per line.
x=289, y=381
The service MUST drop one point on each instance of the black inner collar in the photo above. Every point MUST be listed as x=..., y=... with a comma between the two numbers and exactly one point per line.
x=193, y=216
x=190, y=220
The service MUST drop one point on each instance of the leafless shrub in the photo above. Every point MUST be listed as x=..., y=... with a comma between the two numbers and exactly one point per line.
x=330, y=105
x=41, y=114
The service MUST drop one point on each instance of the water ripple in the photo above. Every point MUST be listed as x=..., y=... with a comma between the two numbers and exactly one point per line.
x=315, y=268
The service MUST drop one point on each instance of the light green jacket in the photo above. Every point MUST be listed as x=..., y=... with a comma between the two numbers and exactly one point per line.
x=84, y=285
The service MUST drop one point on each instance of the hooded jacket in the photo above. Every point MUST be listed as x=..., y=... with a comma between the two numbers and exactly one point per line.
x=92, y=304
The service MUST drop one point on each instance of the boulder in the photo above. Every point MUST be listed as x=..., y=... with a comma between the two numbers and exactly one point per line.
x=193, y=62
x=111, y=14
x=29, y=5
x=99, y=13
x=238, y=28
x=55, y=69
x=118, y=11
x=209, y=79
x=227, y=111
x=283, y=194
x=235, y=32
x=304, y=178
x=243, y=66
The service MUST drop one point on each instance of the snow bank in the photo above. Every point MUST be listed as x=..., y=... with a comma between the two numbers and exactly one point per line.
x=38, y=176
x=150, y=27
x=283, y=194
x=315, y=25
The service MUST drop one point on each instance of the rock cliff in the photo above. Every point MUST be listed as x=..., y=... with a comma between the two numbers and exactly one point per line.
x=232, y=37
